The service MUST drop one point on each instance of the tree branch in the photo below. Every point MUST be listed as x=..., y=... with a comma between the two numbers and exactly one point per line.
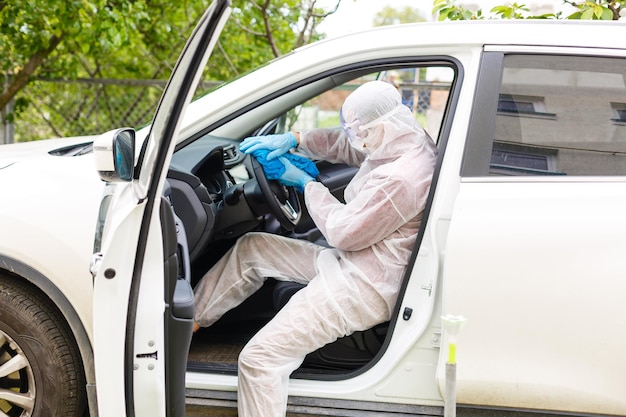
x=310, y=22
x=615, y=8
x=23, y=76
x=268, y=29
x=247, y=30
x=229, y=61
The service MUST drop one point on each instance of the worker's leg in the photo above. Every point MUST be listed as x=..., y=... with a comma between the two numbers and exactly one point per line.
x=241, y=271
x=329, y=307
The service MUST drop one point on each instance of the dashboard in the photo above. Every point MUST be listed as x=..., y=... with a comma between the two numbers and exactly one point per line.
x=206, y=180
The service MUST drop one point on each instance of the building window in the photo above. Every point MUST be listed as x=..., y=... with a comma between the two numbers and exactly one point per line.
x=511, y=159
x=523, y=106
x=619, y=111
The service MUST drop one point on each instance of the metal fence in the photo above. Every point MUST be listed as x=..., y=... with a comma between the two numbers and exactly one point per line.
x=84, y=107
x=61, y=108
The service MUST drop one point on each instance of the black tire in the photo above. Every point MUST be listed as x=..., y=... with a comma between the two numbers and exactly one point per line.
x=48, y=379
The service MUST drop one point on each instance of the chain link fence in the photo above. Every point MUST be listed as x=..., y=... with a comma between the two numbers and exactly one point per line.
x=61, y=108
x=84, y=107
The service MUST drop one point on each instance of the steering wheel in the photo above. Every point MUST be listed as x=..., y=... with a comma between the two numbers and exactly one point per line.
x=282, y=200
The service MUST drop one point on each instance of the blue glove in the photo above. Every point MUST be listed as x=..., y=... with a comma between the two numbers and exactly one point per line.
x=294, y=176
x=277, y=144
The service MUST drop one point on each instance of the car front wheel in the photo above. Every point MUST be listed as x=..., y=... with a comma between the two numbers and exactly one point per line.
x=40, y=368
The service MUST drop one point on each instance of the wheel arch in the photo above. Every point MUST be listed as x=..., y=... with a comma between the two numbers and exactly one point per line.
x=14, y=268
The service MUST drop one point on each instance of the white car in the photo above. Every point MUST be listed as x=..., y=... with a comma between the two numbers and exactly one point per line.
x=523, y=235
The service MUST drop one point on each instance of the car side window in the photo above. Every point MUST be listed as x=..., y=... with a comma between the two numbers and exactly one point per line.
x=560, y=115
x=424, y=89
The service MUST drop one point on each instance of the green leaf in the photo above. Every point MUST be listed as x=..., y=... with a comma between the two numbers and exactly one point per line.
x=575, y=16
x=587, y=14
x=597, y=11
x=607, y=14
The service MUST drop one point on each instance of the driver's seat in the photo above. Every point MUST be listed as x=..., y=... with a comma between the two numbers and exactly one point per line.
x=347, y=353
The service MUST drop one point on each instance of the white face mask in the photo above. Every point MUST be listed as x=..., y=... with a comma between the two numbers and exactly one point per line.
x=359, y=144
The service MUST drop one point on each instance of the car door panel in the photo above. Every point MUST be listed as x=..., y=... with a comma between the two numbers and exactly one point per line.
x=110, y=318
x=133, y=361
x=179, y=308
x=535, y=237
x=524, y=278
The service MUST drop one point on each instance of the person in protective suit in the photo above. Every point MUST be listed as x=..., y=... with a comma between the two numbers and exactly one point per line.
x=354, y=284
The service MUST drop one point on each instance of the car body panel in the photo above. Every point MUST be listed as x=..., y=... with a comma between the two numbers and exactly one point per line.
x=50, y=187
x=540, y=308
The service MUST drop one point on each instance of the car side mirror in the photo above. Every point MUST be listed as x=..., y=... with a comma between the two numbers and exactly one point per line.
x=114, y=153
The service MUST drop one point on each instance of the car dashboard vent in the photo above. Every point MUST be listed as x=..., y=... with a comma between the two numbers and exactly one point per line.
x=230, y=154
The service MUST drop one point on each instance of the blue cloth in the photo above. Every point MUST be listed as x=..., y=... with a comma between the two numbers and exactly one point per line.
x=274, y=168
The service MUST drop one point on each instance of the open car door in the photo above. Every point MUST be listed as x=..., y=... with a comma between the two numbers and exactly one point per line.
x=143, y=301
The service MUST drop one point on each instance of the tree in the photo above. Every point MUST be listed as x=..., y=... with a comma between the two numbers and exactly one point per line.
x=52, y=38
x=390, y=16
x=110, y=43
x=260, y=30
x=588, y=10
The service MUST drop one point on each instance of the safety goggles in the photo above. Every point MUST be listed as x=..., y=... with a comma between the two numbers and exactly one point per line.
x=349, y=128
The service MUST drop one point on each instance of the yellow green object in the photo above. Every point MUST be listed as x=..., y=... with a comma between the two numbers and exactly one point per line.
x=452, y=353
x=452, y=324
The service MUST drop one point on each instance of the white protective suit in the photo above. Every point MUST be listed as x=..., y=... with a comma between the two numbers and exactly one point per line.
x=352, y=286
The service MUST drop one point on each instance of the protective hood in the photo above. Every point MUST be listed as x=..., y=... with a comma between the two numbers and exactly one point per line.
x=377, y=122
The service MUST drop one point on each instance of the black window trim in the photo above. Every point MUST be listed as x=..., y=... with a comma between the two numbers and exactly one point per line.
x=482, y=122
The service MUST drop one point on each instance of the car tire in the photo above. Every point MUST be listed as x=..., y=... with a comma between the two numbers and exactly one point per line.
x=39, y=359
